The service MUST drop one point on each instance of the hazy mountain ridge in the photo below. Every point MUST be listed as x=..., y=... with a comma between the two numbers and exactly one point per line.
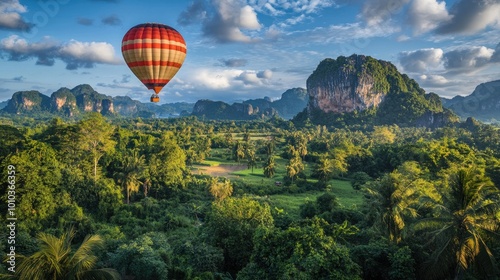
x=83, y=98
x=483, y=103
x=291, y=103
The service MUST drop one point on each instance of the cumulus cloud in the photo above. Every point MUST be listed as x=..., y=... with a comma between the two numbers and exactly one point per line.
x=421, y=60
x=377, y=11
x=433, y=80
x=10, y=16
x=74, y=53
x=234, y=62
x=17, y=49
x=298, y=6
x=237, y=20
x=231, y=79
x=461, y=60
x=195, y=13
x=266, y=74
x=470, y=16
x=426, y=15
x=225, y=21
x=468, y=59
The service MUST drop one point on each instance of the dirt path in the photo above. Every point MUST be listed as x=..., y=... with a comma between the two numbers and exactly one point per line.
x=218, y=171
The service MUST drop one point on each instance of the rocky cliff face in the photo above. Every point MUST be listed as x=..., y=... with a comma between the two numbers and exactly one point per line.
x=360, y=89
x=344, y=85
x=63, y=101
x=89, y=100
x=27, y=102
x=292, y=102
x=483, y=103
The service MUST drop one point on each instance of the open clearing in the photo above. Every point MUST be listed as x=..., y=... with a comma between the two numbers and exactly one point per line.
x=221, y=170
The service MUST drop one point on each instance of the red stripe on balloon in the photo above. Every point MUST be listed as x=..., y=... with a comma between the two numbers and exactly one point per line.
x=150, y=82
x=154, y=63
x=154, y=46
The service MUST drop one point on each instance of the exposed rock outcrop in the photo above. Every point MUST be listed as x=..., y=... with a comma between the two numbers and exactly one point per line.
x=89, y=100
x=352, y=85
x=345, y=85
x=292, y=102
x=27, y=102
x=63, y=101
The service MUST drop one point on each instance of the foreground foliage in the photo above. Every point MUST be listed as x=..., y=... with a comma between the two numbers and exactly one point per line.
x=312, y=202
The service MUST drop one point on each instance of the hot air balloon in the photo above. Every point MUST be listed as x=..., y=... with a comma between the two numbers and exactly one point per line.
x=154, y=52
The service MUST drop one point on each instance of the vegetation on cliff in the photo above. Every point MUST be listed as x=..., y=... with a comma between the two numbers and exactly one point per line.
x=403, y=102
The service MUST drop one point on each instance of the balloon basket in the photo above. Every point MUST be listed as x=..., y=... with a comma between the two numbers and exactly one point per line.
x=155, y=98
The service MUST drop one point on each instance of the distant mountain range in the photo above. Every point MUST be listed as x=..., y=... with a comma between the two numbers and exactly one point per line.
x=483, y=104
x=339, y=89
x=291, y=103
x=83, y=98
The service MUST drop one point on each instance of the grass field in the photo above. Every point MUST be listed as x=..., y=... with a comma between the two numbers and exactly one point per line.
x=346, y=196
x=290, y=203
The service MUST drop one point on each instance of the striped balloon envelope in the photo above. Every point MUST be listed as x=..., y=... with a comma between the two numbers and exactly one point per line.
x=154, y=52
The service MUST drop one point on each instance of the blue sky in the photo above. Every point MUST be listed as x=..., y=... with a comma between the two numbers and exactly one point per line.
x=241, y=49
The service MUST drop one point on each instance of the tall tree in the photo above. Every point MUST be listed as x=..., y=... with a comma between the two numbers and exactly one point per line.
x=238, y=151
x=392, y=199
x=270, y=167
x=94, y=135
x=231, y=226
x=465, y=218
x=167, y=163
x=56, y=260
x=132, y=168
x=250, y=156
x=324, y=169
x=294, y=167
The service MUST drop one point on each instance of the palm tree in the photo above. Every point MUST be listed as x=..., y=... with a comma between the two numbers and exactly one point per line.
x=294, y=167
x=392, y=199
x=270, y=167
x=465, y=219
x=250, y=155
x=132, y=168
x=220, y=190
x=56, y=260
x=324, y=169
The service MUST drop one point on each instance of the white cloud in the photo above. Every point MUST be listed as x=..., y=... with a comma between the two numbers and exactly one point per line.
x=266, y=74
x=229, y=21
x=421, y=60
x=231, y=79
x=280, y=7
x=426, y=15
x=10, y=16
x=74, y=53
x=433, y=80
x=93, y=52
x=248, y=19
x=375, y=12
x=471, y=16
x=468, y=59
